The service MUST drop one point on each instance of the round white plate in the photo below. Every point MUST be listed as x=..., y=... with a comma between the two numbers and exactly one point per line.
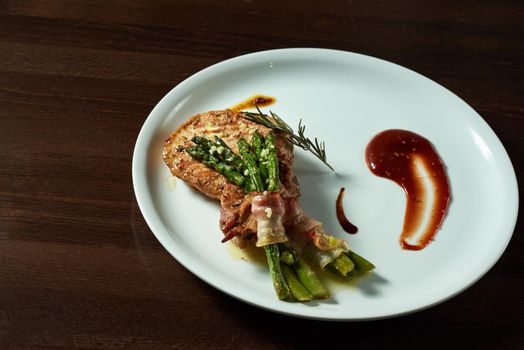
x=345, y=99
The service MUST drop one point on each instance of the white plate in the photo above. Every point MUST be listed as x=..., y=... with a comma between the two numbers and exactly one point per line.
x=345, y=99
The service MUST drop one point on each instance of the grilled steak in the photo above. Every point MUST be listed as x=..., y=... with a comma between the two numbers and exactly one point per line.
x=236, y=219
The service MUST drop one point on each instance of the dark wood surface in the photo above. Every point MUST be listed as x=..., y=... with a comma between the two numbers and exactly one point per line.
x=79, y=267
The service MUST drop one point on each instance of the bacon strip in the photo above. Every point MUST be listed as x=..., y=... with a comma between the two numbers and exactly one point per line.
x=268, y=208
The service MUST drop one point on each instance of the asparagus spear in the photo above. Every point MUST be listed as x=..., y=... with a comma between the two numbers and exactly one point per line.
x=221, y=150
x=272, y=252
x=258, y=143
x=213, y=162
x=205, y=144
x=272, y=164
x=229, y=156
x=279, y=283
x=307, y=279
x=250, y=162
x=297, y=289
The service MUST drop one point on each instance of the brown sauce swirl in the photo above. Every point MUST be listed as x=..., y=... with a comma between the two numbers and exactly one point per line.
x=411, y=161
x=254, y=101
x=341, y=217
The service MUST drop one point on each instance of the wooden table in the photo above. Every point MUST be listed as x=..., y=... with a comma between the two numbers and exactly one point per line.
x=79, y=267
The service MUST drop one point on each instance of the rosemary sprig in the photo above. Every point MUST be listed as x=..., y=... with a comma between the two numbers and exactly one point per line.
x=300, y=140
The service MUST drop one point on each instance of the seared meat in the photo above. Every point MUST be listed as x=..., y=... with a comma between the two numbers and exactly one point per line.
x=236, y=219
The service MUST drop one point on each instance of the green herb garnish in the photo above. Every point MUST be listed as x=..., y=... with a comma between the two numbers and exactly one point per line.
x=317, y=148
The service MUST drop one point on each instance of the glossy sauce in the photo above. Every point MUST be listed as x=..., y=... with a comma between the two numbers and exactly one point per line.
x=342, y=219
x=254, y=101
x=250, y=253
x=411, y=161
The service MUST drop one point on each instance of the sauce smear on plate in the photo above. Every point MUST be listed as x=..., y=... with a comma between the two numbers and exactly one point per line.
x=411, y=161
x=342, y=219
x=254, y=101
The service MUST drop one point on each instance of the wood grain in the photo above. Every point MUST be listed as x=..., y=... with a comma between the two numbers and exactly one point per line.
x=79, y=268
